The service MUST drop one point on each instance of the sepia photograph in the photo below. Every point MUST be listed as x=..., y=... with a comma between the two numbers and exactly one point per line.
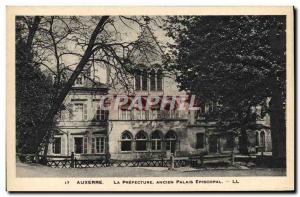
x=151, y=99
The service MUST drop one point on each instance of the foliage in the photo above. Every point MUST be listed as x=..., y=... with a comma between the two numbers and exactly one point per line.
x=34, y=94
x=238, y=62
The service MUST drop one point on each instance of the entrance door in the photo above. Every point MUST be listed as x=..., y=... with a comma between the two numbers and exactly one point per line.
x=213, y=144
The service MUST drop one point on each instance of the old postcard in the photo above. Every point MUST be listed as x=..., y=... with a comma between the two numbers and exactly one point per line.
x=150, y=99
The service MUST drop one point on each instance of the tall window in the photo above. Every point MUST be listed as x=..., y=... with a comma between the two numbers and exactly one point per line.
x=141, y=114
x=159, y=80
x=146, y=114
x=125, y=114
x=200, y=140
x=170, y=140
x=141, y=141
x=152, y=81
x=98, y=145
x=156, y=140
x=160, y=114
x=137, y=81
x=101, y=114
x=165, y=114
x=56, y=146
x=156, y=113
x=80, y=145
x=144, y=81
x=126, y=141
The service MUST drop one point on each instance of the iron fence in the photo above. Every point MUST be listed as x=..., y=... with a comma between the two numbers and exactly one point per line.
x=73, y=162
x=116, y=163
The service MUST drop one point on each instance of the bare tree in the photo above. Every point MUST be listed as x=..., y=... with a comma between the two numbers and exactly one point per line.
x=119, y=43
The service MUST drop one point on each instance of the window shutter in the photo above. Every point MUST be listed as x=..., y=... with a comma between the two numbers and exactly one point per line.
x=84, y=111
x=63, y=145
x=85, y=145
x=71, y=144
x=159, y=80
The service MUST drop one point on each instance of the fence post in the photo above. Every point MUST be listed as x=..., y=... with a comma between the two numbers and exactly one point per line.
x=232, y=158
x=72, y=160
x=172, y=161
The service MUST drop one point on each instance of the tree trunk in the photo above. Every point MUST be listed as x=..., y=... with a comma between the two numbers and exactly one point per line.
x=31, y=32
x=65, y=90
x=278, y=127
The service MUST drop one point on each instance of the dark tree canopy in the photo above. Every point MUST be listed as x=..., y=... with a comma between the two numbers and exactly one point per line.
x=34, y=94
x=237, y=62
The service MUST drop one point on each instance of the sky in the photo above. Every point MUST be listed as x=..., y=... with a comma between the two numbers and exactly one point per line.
x=125, y=33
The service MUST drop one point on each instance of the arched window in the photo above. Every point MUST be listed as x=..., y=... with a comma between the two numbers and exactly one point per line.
x=156, y=140
x=159, y=80
x=152, y=80
x=144, y=80
x=126, y=141
x=170, y=140
x=137, y=78
x=141, y=141
x=262, y=139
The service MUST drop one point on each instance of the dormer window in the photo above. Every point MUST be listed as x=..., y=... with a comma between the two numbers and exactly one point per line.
x=87, y=72
x=152, y=80
x=79, y=80
x=159, y=80
x=155, y=79
x=144, y=81
x=137, y=81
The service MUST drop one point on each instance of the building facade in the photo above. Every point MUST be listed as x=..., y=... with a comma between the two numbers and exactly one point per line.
x=94, y=133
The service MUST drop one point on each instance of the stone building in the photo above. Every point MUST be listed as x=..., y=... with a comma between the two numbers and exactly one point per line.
x=94, y=133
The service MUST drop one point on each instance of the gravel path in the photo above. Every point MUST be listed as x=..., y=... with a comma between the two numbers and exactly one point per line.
x=26, y=170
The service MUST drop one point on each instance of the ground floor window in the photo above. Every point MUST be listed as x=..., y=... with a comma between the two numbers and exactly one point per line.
x=170, y=145
x=156, y=140
x=141, y=141
x=80, y=145
x=56, y=146
x=98, y=145
x=200, y=140
x=126, y=141
x=170, y=140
